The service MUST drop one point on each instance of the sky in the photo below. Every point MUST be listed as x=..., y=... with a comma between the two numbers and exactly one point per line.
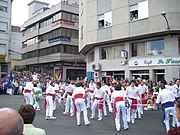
x=20, y=10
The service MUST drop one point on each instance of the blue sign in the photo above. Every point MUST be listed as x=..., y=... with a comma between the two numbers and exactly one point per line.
x=60, y=38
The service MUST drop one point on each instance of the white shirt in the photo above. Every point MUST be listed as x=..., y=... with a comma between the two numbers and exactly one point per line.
x=78, y=90
x=176, y=90
x=132, y=92
x=99, y=93
x=142, y=89
x=29, y=86
x=56, y=86
x=164, y=96
x=116, y=93
x=50, y=90
x=92, y=86
x=106, y=88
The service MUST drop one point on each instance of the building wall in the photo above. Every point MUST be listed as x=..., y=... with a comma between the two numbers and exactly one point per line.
x=126, y=31
x=5, y=33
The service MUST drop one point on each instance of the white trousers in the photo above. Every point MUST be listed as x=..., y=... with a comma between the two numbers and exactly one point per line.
x=81, y=106
x=95, y=103
x=109, y=103
x=130, y=112
x=69, y=105
x=120, y=106
x=89, y=100
x=28, y=98
x=167, y=117
x=49, y=106
x=139, y=108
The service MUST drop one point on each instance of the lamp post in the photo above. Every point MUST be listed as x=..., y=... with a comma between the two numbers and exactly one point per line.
x=164, y=15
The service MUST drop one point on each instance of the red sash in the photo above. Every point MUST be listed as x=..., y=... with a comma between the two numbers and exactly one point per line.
x=69, y=93
x=134, y=103
x=49, y=94
x=144, y=100
x=91, y=91
x=27, y=91
x=57, y=91
x=117, y=99
x=98, y=98
x=76, y=97
x=107, y=92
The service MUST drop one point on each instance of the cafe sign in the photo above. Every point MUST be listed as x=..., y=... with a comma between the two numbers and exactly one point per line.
x=154, y=61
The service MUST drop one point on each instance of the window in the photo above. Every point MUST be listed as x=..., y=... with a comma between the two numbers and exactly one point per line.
x=3, y=8
x=3, y=27
x=138, y=49
x=70, y=49
x=139, y=11
x=117, y=51
x=105, y=20
x=154, y=47
x=107, y=53
x=2, y=49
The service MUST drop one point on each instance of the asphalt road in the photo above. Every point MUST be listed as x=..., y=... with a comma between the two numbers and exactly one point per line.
x=150, y=124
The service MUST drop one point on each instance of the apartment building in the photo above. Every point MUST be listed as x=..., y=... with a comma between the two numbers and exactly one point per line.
x=50, y=40
x=131, y=38
x=5, y=36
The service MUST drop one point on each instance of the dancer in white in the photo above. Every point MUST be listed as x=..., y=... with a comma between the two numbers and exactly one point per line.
x=166, y=98
x=68, y=92
x=49, y=102
x=99, y=99
x=92, y=87
x=143, y=90
x=133, y=95
x=119, y=100
x=27, y=92
x=79, y=103
x=106, y=88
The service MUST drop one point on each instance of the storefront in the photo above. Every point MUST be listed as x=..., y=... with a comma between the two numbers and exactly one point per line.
x=155, y=69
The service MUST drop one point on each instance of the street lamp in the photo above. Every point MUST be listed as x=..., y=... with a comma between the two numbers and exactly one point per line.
x=164, y=15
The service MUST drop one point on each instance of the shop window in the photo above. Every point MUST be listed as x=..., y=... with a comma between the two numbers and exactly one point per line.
x=105, y=20
x=139, y=11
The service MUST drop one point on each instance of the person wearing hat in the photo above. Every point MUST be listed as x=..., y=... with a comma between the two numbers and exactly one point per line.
x=166, y=99
x=78, y=97
x=119, y=100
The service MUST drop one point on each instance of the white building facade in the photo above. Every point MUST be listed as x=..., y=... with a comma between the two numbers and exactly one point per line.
x=130, y=39
x=5, y=36
x=50, y=40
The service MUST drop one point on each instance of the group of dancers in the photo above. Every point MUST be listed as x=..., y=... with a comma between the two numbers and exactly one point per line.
x=79, y=96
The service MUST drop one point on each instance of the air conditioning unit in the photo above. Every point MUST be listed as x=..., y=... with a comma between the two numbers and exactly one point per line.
x=96, y=67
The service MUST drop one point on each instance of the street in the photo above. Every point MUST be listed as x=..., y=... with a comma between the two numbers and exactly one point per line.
x=66, y=125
